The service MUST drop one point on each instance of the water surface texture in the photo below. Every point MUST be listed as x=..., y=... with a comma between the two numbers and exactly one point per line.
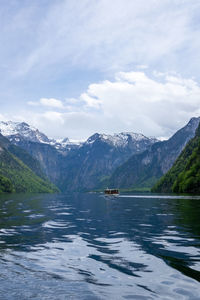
x=87, y=246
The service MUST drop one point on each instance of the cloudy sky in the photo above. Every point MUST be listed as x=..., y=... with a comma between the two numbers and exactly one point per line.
x=72, y=68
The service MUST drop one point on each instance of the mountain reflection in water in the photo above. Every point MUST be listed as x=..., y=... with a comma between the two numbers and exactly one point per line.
x=85, y=246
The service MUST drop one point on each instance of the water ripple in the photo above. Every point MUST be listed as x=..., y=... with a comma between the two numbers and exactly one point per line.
x=86, y=247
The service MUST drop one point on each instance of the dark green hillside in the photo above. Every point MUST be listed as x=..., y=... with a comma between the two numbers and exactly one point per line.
x=15, y=176
x=24, y=156
x=22, y=179
x=184, y=176
x=5, y=185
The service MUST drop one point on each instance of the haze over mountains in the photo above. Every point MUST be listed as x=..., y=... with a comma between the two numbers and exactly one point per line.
x=126, y=160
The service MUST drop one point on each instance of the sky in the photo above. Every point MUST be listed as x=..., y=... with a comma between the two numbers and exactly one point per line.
x=73, y=68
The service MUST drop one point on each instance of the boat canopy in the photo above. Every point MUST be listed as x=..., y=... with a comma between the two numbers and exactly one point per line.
x=111, y=191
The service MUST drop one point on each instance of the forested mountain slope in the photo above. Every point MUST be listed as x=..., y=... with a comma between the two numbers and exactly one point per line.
x=15, y=176
x=184, y=176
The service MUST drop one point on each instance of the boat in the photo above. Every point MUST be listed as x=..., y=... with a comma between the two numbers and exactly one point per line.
x=112, y=192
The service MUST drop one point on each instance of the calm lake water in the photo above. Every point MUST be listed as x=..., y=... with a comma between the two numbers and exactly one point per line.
x=86, y=246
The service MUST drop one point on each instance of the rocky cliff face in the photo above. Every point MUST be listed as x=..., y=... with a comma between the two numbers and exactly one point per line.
x=87, y=167
x=144, y=169
x=49, y=158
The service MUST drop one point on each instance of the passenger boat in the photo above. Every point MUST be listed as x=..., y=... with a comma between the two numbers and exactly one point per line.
x=113, y=192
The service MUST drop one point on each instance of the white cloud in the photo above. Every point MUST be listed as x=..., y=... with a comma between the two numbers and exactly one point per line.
x=53, y=116
x=49, y=102
x=133, y=101
x=136, y=102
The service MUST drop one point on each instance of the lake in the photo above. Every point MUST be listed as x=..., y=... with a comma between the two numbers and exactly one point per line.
x=88, y=246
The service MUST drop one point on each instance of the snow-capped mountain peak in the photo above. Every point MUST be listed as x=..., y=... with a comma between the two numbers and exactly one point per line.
x=23, y=130
x=120, y=139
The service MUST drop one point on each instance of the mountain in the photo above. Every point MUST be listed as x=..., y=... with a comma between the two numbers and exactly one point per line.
x=92, y=163
x=184, y=176
x=48, y=152
x=76, y=166
x=144, y=169
x=124, y=160
x=28, y=160
x=18, y=177
x=49, y=158
x=18, y=132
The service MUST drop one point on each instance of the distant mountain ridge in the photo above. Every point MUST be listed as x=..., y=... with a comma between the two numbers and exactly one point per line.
x=76, y=166
x=144, y=169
